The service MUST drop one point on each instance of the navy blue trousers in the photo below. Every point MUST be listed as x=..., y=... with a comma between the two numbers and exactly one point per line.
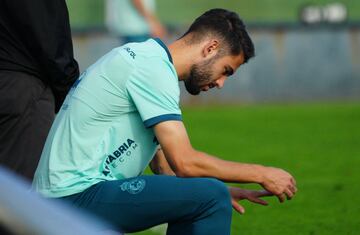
x=191, y=206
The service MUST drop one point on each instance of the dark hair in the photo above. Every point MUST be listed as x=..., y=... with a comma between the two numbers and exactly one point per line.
x=228, y=26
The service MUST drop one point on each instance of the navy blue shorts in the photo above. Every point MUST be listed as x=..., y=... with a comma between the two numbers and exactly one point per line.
x=191, y=206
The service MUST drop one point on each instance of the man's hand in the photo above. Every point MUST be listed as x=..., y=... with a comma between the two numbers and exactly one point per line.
x=279, y=182
x=238, y=194
x=159, y=164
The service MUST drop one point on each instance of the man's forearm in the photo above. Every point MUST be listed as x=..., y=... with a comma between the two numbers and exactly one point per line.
x=205, y=165
x=274, y=180
x=210, y=166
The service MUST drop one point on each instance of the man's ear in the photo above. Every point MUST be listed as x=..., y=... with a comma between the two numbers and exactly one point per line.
x=211, y=48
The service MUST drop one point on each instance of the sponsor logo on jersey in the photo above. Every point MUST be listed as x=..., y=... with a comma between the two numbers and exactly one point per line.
x=131, y=52
x=119, y=156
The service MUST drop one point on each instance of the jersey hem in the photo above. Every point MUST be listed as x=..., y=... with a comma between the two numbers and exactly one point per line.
x=64, y=193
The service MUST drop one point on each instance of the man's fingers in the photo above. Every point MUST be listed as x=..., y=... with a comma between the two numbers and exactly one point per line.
x=258, y=201
x=237, y=206
x=293, y=189
x=289, y=194
x=281, y=197
x=264, y=193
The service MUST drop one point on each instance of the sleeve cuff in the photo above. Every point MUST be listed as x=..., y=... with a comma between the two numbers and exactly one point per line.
x=166, y=117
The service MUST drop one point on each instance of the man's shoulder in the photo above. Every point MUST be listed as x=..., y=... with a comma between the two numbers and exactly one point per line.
x=150, y=66
x=139, y=58
x=155, y=68
x=148, y=54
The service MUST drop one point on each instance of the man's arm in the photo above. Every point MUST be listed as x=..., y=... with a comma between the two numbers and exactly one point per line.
x=185, y=161
x=156, y=28
x=159, y=164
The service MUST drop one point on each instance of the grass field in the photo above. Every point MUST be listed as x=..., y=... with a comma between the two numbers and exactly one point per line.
x=318, y=143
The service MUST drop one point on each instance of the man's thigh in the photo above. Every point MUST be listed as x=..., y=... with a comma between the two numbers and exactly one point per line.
x=139, y=203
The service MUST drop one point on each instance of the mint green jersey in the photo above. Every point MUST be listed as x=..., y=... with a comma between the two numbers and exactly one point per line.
x=104, y=130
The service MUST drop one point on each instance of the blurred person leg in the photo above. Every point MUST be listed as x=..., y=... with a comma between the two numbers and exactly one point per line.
x=191, y=206
x=26, y=114
x=4, y=231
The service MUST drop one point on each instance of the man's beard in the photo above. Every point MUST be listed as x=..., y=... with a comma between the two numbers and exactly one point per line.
x=200, y=75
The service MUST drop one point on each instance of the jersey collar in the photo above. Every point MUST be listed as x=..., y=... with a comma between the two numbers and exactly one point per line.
x=158, y=40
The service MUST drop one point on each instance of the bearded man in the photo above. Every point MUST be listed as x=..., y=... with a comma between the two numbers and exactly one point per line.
x=123, y=113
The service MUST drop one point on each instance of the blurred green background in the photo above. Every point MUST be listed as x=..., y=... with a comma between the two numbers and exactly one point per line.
x=90, y=13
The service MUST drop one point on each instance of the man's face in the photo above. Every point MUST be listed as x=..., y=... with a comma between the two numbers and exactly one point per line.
x=212, y=73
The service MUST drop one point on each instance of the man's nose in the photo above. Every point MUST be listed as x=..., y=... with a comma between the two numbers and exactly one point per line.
x=220, y=82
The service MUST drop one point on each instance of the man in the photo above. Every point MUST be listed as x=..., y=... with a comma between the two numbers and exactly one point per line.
x=37, y=69
x=141, y=13
x=125, y=108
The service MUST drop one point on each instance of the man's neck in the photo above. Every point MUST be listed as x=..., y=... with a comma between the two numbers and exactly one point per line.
x=184, y=56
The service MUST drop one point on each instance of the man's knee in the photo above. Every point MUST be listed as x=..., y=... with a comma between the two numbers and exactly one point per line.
x=217, y=192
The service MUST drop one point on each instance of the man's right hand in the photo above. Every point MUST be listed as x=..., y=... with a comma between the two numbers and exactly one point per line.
x=279, y=182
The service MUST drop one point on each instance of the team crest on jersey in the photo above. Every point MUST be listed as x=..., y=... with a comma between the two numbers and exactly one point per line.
x=133, y=186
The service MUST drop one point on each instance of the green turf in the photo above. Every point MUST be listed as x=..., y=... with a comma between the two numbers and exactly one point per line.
x=319, y=144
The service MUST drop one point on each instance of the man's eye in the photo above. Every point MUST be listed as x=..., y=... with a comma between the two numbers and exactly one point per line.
x=228, y=72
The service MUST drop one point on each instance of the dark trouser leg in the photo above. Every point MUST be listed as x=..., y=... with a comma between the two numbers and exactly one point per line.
x=191, y=206
x=26, y=115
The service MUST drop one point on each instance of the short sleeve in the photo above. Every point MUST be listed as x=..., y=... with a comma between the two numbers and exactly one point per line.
x=155, y=95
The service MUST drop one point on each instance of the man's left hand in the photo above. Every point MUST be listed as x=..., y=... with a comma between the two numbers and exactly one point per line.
x=238, y=194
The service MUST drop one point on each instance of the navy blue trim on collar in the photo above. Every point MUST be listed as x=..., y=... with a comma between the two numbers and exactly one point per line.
x=165, y=117
x=158, y=40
